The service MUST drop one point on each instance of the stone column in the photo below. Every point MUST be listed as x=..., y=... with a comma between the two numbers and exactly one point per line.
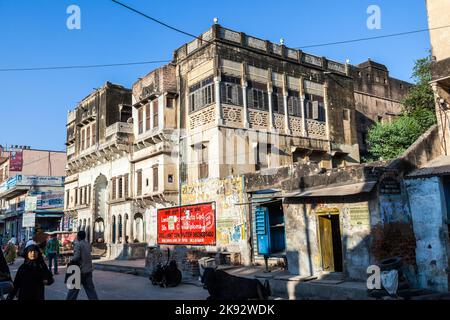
x=269, y=96
x=302, y=103
x=325, y=99
x=132, y=229
x=244, y=84
x=124, y=228
x=219, y=117
x=287, y=128
x=245, y=102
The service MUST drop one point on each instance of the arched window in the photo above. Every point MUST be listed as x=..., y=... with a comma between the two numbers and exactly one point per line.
x=126, y=224
x=113, y=230
x=139, y=228
x=120, y=229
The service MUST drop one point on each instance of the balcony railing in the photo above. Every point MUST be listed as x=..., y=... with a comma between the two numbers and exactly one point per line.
x=119, y=127
x=71, y=150
x=239, y=38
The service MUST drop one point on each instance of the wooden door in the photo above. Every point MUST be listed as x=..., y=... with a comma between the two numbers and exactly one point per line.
x=326, y=243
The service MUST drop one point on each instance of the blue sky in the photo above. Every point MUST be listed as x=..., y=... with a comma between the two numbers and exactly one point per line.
x=33, y=33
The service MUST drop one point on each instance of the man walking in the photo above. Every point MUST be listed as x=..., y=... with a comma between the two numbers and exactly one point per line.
x=82, y=257
x=52, y=253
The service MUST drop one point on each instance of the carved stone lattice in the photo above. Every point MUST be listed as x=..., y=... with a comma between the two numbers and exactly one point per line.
x=232, y=115
x=316, y=129
x=259, y=119
x=279, y=122
x=202, y=117
x=296, y=126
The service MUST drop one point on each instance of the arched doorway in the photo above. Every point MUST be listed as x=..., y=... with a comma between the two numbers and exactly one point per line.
x=139, y=228
x=100, y=197
x=99, y=231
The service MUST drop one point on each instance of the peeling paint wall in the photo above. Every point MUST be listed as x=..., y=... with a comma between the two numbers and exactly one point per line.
x=302, y=236
x=429, y=216
x=231, y=216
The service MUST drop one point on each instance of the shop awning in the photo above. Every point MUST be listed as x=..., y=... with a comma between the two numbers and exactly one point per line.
x=334, y=191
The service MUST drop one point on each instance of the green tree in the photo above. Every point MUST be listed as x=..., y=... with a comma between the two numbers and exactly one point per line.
x=420, y=95
x=389, y=140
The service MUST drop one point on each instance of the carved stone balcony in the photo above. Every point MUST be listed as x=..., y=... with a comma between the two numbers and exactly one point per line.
x=119, y=127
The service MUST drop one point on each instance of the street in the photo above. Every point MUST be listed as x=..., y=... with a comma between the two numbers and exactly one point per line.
x=119, y=286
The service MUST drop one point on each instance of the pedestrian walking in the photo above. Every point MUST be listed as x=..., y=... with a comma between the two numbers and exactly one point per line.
x=32, y=277
x=83, y=257
x=10, y=251
x=5, y=276
x=52, y=253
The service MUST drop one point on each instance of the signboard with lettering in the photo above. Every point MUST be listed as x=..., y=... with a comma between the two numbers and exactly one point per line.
x=30, y=204
x=16, y=161
x=187, y=225
x=29, y=220
x=359, y=215
x=50, y=200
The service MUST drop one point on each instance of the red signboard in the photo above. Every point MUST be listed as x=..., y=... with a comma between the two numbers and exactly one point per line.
x=187, y=225
x=15, y=161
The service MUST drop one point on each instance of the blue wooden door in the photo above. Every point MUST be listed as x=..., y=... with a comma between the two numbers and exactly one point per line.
x=262, y=230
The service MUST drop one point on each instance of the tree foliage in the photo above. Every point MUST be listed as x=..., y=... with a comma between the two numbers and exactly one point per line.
x=389, y=140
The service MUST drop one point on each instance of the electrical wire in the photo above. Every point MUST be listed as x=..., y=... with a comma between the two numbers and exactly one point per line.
x=371, y=38
x=84, y=66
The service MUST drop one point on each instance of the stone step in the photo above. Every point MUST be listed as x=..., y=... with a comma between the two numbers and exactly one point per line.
x=295, y=288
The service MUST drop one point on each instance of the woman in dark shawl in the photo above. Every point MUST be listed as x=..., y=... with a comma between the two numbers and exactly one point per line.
x=5, y=276
x=31, y=278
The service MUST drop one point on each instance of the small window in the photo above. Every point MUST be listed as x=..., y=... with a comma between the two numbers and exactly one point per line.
x=155, y=114
x=147, y=182
x=139, y=182
x=155, y=179
x=114, y=188
x=120, y=188
x=140, y=121
x=169, y=102
x=88, y=137
x=94, y=134
x=170, y=178
x=147, y=117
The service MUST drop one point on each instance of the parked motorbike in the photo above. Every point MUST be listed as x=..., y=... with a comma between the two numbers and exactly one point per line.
x=166, y=275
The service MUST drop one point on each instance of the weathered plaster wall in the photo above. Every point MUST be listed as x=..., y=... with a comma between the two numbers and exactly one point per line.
x=302, y=236
x=431, y=231
x=231, y=217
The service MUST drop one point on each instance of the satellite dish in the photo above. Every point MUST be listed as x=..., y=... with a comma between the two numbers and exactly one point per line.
x=216, y=20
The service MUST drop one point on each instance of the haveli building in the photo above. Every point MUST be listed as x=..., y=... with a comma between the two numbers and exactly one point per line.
x=228, y=104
